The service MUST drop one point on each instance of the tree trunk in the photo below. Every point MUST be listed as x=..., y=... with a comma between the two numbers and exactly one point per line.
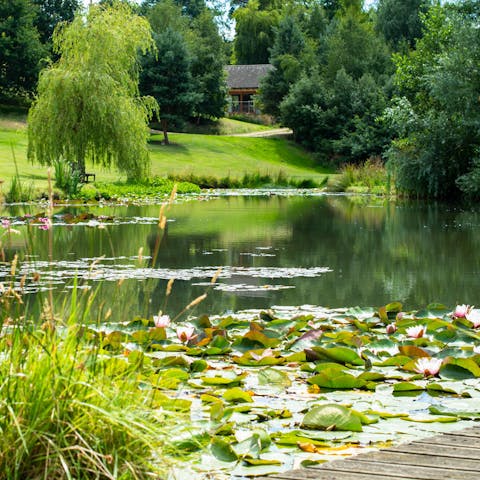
x=165, y=132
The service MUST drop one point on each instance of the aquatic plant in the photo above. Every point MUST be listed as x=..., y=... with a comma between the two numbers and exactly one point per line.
x=428, y=366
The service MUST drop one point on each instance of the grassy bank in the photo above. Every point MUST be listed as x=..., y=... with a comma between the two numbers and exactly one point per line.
x=188, y=156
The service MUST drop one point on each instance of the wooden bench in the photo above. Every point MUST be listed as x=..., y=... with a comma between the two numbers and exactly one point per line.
x=87, y=177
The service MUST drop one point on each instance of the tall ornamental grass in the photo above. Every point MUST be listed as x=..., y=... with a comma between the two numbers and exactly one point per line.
x=65, y=413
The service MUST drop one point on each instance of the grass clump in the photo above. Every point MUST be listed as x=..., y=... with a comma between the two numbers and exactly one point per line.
x=66, y=413
x=249, y=180
x=369, y=177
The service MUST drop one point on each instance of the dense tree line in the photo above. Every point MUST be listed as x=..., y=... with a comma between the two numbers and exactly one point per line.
x=185, y=74
x=397, y=81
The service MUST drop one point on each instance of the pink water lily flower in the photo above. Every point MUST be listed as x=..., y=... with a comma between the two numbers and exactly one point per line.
x=391, y=328
x=417, y=331
x=161, y=321
x=45, y=223
x=461, y=311
x=428, y=366
x=185, y=334
x=268, y=352
x=474, y=316
x=6, y=223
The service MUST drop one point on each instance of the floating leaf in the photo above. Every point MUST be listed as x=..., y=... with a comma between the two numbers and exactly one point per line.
x=223, y=451
x=331, y=417
x=407, y=387
x=274, y=378
x=260, y=461
x=343, y=355
x=331, y=378
x=459, y=369
x=237, y=395
x=439, y=410
x=290, y=438
x=394, y=307
x=307, y=340
x=224, y=381
x=413, y=351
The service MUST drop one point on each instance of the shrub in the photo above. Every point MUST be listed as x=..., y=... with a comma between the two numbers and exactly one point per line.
x=369, y=177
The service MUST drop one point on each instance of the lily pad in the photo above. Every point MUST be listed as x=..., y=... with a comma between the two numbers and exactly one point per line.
x=331, y=417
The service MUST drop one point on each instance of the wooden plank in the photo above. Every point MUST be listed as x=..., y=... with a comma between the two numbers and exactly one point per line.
x=469, y=432
x=423, y=460
x=451, y=440
x=406, y=471
x=437, y=450
x=326, y=475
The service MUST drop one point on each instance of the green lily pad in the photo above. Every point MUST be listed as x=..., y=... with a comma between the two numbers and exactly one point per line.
x=237, y=395
x=223, y=451
x=343, y=355
x=331, y=417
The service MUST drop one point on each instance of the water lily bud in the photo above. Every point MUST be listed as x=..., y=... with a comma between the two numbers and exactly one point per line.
x=391, y=328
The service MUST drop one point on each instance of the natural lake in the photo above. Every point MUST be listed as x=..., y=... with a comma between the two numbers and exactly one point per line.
x=325, y=250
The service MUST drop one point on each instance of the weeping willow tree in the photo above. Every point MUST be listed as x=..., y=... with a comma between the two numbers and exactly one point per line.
x=88, y=107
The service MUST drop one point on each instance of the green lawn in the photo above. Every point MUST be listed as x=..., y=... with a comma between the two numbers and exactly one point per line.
x=200, y=155
x=222, y=156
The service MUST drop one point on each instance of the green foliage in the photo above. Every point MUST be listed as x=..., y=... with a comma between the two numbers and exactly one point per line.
x=369, y=177
x=207, y=67
x=249, y=180
x=62, y=415
x=435, y=154
x=254, y=33
x=286, y=57
x=339, y=119
x=354, y=46
x=155, y=187
x=50, y=13
x=20, y=50
x=98, y=54
x=167, y=78
x=400, y=22
x=67, y=178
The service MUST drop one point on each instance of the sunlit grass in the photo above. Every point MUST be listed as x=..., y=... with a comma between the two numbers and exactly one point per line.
x=66, y=411
x=204, y=155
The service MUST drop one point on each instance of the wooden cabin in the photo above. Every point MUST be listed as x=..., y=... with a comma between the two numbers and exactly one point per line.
x=243, y=82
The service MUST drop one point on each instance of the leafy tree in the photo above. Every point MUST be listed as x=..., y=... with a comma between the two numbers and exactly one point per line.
x=400, y=22
x=167, y=78
x=50, y=13
x=192, y=8
x=437, y=152
x=207, y=67
x=20, y=49
x=354, y=46
x=88, y=106
x=254, y=33
x=286, y=57
x=337, y=119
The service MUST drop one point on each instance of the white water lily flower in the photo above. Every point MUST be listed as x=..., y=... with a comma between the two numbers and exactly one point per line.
x=428, y=366
x=161, y=321
x=461, y=311
x=474, y=316
x=417, y=331
x=185, y=334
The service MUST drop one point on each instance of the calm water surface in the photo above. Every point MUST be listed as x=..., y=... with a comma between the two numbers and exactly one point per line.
x=323, y=250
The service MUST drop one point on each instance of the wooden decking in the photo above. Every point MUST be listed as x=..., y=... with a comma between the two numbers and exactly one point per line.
x=454, y=456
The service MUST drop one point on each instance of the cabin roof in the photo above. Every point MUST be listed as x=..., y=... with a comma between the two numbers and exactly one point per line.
x=246, y=76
